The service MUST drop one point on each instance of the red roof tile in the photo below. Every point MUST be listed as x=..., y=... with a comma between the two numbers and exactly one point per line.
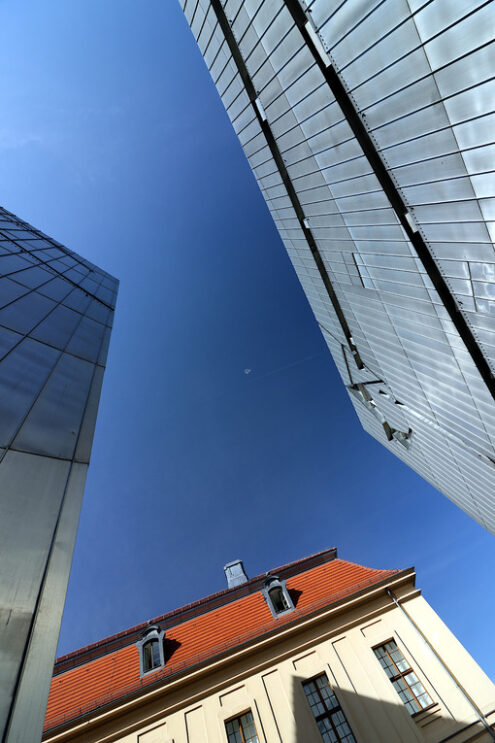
x=114, y=674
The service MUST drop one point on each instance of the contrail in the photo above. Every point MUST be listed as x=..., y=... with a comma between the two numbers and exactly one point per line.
x=282, y=368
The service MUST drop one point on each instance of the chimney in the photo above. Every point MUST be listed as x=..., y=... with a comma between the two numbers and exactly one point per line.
x=235, y=573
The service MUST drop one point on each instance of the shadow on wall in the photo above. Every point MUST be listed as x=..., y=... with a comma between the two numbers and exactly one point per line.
x=373, y=721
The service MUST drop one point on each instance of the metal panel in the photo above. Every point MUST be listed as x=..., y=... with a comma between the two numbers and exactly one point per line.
x=52, y=426
x=32, y=492
x=22, y=374
x=32, y=695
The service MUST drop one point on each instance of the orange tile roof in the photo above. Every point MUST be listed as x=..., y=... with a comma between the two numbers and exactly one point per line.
x=114, y=673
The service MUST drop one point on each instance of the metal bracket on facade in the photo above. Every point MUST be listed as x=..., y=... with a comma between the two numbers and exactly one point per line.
x=260, y=108
x=411, y=221
x=363, y=395
x=318, y=44
x=365, y=398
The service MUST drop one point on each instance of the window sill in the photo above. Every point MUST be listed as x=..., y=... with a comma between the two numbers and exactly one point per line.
x=152, y=670
x=425, y=712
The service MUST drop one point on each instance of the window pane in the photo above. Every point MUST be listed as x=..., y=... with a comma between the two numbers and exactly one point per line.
x=398, y=658
x=151, y=655
x=327, y=731
x=233, y=731
x=241, y=729
x=406, y=695
x=418, y=689
x=330, y=718
x=247, y=724
x=313, y=697
x=385, y=661
x=278, y=600
x=147, y=657
x=326, y=692
x=343, y=730
x=156, y=654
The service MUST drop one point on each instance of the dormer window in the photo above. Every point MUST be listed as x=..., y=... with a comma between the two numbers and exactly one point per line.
x=151, y=655
x=277, y=596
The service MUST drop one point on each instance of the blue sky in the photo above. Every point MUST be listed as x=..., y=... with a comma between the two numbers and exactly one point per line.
x=114, y=141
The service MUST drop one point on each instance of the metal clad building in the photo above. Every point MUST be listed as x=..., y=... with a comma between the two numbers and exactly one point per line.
x=369, y=127
x=56, y=312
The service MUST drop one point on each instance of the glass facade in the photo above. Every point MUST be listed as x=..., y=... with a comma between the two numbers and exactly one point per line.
x=369, y=128
x=56, y=312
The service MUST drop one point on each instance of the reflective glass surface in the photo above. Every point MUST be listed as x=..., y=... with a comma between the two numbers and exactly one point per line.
x=56, y=312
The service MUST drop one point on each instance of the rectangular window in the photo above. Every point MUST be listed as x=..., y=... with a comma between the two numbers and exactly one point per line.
x=151, y=655
x=404, y=680
x=327, y=711
x=241, y=729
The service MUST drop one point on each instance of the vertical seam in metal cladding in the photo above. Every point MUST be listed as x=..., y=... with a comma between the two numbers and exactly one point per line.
x=224, y=24
x=391, y=191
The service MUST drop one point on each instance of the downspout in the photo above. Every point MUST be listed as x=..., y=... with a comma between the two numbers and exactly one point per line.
x=456, y=681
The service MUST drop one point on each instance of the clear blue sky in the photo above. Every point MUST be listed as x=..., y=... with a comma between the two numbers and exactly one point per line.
x=113, y=140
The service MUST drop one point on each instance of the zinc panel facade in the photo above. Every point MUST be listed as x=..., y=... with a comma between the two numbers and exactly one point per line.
x=419, y=76
x=56, y=313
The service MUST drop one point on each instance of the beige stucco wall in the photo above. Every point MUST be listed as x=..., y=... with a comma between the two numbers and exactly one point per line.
x=268, y=681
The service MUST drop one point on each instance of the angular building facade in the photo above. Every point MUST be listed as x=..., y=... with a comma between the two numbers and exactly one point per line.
x=56, y=312
x=369, y=128
x=321, y=650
